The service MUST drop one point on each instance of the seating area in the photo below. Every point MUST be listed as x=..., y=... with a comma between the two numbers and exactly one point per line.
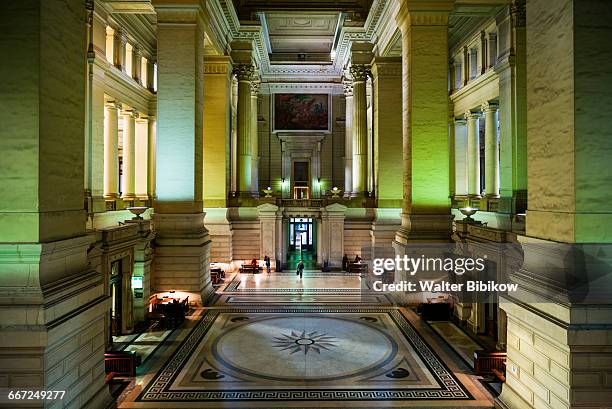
x=358, y=268
x=491, y=363
x=167, y=311
x=251, y=266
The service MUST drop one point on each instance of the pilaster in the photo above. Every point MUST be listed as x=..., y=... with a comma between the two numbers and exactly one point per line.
x=217, y=115
x=348, y=140
x=387, y=82
x=360, y=73
x=183, y=243
x=426, y=203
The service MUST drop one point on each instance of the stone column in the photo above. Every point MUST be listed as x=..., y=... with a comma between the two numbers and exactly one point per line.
x=217, y=116
x=53, y=302
x=244, y=73
x=559, y=324
x=141, y=160
x=136, y=64
x=360, y=73
x=151, y=156
x=268, y=229
x=183, y=243
x=491, y=150
x=511, y=66
x=348, y=140
x=331, y=234
x=387, y=95
x=119, y=49
x=150, y=75
x=473, y=150
x=111, y=150
x=461, y=157
x=426, y=204
x=254, y=137
x=129, y=156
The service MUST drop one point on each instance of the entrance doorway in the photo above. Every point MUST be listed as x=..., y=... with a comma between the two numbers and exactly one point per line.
x=302, y=243
x=301, y=180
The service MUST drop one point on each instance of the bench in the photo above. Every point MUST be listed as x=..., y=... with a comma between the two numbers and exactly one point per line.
x=121, y=363
x=490, y=363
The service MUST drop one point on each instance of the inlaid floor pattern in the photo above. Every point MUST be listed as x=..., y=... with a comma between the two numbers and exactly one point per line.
x=277, y=341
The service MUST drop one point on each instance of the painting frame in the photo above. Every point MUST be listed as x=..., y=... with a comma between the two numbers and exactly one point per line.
x=283, y=117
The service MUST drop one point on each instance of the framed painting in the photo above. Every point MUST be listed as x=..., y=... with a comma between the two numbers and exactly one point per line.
x=301, y=112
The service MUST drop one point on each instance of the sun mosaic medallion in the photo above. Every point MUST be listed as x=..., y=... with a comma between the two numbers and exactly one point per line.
x=295, y=342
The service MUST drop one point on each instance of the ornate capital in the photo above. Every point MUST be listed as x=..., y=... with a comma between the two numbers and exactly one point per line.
x=255, y=88
x=360, y=72
x=518, y=13
x=489, y=106
x=348, y=88
x=471, y=115
x=244, y=72
x=112, y=104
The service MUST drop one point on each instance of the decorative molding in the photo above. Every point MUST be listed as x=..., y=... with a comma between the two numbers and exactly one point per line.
x=348, y=88
x=244, y=72
x=255, y=88
x=360, y=72
x=489, y=106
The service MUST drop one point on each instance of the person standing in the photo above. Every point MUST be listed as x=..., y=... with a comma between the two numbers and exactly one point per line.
x=345, y=262
x=267, y=262
x=300, y=269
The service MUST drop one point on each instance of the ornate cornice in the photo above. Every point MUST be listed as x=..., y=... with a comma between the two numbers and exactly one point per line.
x=244, y=72
x=360, y=72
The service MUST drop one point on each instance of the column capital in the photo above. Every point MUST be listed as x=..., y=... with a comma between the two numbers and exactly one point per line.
x=244, y=72
x=424, y=13
x=112, y=104
x=518, y=13
x=348, y=88
x=387, y=67
x=360, y=72
x=489, y=106
x=255, y=88
x=130, y=113
x=471, y=115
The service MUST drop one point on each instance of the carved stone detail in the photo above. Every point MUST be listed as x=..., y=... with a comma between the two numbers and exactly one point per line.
x=360, y=72
x=518, y=13
x=348, y=88
x=255, y=88
x=244, y=72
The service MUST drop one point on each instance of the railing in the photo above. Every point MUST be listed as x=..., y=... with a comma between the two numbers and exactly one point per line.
x=121, y=363
x=300, y=202
x=490, y=363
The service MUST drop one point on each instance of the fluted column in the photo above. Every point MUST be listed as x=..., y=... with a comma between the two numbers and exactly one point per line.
x=473, y=149
x=151, y=156
x=244, y=73
x=491, y=150
x=141, y=158
x=119, y=49
x=150, y=75
x=128, y=185
x=254, y=137
x=136, y=64
x=348, y=140
x=111, y=150
x=461, y=161
x=360, y=73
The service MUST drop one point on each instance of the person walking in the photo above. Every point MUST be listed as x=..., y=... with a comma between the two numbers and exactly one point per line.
x=300, y=269
x=267, y=262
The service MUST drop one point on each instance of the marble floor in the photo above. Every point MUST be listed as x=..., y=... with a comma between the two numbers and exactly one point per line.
x=274, y=341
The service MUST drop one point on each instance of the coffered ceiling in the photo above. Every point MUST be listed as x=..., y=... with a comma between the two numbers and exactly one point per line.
x=301, y=37
x=358, y=9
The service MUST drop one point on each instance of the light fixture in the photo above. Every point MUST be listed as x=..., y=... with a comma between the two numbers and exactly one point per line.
x=468, y=212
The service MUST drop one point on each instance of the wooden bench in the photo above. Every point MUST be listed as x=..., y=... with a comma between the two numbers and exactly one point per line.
x=248, y=268
x=490, y=363
x=121, y=363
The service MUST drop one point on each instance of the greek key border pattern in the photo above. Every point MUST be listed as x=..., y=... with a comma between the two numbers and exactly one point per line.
x=157, y=389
